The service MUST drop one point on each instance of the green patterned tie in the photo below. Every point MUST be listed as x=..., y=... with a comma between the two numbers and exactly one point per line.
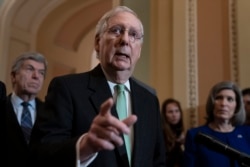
x=121, y=108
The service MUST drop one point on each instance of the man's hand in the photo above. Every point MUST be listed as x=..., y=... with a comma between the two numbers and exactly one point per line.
x=105, y=131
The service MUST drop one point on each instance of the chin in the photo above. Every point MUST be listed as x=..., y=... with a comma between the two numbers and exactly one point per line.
x=121, y=68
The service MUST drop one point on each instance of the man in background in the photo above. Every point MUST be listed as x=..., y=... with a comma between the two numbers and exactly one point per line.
x=246, y=99
x=27, y=77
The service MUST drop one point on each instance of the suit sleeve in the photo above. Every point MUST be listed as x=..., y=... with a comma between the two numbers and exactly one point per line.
x=51, y=142
x=190, y=150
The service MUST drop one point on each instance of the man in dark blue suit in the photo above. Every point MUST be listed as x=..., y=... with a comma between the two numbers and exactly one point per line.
x=81, y=126
x=27, y=77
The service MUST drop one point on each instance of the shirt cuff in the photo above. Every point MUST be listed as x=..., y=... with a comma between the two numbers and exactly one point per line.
x=86, y=162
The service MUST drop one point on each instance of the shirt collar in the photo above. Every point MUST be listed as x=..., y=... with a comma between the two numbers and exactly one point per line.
x=16, y=101
x=112, y=85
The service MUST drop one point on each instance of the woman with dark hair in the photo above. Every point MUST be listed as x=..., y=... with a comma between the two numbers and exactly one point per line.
x=173, y=131
x=208, y=145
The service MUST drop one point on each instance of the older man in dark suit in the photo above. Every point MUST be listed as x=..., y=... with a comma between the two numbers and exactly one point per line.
x=82, y=125
x=27, y=77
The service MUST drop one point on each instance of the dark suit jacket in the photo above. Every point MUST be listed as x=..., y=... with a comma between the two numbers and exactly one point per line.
x=2, y=91
x=2, y=124
x=72, y=103
x=2, y=101
x=17, y=148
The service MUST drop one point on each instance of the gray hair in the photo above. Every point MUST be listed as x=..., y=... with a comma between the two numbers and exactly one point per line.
x=38, y=57
x=240, y=115
x=103, y=22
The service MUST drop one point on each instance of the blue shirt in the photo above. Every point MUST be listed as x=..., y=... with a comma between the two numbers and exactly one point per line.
x=16, y=102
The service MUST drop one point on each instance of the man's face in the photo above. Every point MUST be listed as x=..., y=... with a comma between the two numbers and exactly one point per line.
x=120, y=45
x=29, y=78
x=246, y=99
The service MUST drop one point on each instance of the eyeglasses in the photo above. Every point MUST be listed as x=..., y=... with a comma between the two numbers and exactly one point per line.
x=118, y=30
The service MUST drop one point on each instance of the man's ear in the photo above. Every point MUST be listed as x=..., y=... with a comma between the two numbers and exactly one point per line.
x=140, y=53
x=97, y=40
x=12, y=77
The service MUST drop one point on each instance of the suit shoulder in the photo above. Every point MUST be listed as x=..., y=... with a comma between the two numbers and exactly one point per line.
x=38, y=100
x=70, y=76
x=144, y=86
x=71, y=79
x=195, y=130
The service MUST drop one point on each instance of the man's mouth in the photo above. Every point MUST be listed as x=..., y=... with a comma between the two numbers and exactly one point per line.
x=122, y=54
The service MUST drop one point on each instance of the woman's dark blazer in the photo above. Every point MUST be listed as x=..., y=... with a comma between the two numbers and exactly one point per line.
x=72, y=103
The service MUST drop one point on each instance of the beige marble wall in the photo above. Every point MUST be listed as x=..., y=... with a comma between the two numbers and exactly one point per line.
x=243, y=33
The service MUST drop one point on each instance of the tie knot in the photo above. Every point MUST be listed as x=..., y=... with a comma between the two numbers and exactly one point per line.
x=25, y=104
x=120, y=88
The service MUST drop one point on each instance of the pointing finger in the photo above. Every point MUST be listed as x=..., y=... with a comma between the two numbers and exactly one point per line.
x=106, y=106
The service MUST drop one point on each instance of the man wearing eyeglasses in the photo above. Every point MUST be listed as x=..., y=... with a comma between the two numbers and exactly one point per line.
x=81, y=125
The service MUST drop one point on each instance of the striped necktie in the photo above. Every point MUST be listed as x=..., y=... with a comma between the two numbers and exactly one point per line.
x=121, y=107
x=26, y=123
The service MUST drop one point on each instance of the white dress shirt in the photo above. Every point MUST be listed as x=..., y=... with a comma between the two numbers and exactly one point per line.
x=18, y=108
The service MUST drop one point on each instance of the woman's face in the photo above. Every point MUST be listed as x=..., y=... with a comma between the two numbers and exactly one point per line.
x=173, y=113
x=224, y=105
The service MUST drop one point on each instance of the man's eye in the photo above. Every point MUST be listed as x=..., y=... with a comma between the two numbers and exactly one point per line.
x=30, y=69
x=42, y=73
x=116, y=30
x=134, y=34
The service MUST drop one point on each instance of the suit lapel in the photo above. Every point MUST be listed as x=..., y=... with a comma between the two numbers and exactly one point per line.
x=39, y=108
x=99, y=86
x=121, y=151
x=12, y=125
x=140, y=130
x=101, y=92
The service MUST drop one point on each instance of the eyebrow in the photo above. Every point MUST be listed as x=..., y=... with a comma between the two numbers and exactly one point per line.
x=124, y=26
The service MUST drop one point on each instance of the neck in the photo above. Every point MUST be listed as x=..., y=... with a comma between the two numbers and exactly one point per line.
x=26, y=97
x=222, y=127
x=117, y=76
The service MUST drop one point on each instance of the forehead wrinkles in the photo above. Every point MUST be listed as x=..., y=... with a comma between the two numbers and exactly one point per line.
x=34, y=63
x=125, y=19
